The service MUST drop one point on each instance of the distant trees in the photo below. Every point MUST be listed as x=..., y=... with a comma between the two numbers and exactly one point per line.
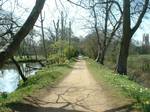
x=110, y=22
x=108, y=16
x=29, y=47
x=89, y=45
x=104, y=22
x=66, y=52
x=64, y=44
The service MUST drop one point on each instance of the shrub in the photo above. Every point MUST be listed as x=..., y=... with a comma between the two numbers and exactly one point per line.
x=70, y=52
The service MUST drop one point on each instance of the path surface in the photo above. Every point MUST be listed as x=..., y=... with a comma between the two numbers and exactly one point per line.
x=78, y=92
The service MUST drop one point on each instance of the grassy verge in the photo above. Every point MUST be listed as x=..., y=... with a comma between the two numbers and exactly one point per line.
x=45, y=77
x=138, y=68
x=122, y=83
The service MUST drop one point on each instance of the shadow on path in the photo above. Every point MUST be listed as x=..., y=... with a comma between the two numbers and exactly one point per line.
x=23, y=107
x=36, y=107
x=124, y=108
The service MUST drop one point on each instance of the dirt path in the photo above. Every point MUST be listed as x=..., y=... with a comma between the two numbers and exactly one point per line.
x=78, y=92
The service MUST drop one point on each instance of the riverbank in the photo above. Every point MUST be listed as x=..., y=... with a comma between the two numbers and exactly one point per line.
x=47, y=76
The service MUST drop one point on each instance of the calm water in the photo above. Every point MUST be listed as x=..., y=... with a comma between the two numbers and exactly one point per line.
x=9, y=77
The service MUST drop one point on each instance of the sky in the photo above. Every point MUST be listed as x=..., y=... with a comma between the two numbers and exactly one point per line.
x=75, y=14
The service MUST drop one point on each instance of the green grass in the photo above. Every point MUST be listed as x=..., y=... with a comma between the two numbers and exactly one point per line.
x=139, y=62
x=47, y=76
x=138, y=68
x=122, y=83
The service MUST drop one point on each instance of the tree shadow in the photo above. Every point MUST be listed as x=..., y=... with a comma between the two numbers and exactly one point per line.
x=64, y=65
x=124, y=108
x=34, y=104
x=61, y=104
x=23, y=107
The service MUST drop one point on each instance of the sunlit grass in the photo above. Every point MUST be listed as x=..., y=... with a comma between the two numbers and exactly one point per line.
x=140, y=94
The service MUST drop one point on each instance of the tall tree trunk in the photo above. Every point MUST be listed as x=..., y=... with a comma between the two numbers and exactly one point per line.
x=62, y=34
x=69, y=39
x=98, y=36
x=9, y=49
x=36, y=56
x=43, y=36
x=103, y=55
x=123, y=55
x=127, y=34
x=98, y=55
x=107, y=9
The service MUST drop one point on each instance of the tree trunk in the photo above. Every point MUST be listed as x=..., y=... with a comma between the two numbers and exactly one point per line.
x=123, y=55
x=9, y=49
x=127, y=34
x=103, y=56
x=107, y=9
x=69, y=40
x=98, y=55
x=43, y=36
x=36, y=56
x=97, y=35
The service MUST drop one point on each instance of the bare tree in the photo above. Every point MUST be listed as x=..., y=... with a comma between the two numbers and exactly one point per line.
x=8, y=27
x=43, y=36
x=56, y=26
x=128, y=33
x=104, y=41
x=69, y=38
x=10, y=48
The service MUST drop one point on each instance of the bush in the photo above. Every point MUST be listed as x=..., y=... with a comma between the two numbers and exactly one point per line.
x=62, y=51
x=70, y=52
x=146, y=106
x=3, y=95
x=145, y=65
x=141, y=62
x=54, y=59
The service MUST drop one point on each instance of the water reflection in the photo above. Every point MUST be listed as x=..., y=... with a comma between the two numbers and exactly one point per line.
x=9, y=77
x=9, y=80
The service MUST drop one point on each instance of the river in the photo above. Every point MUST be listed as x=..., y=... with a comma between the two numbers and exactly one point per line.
x=9, y=76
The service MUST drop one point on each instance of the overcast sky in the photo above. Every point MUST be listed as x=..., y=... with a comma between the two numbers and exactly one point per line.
x=76, y=15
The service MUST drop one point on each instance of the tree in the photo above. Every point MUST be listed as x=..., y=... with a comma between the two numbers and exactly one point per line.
x=10, y=48
x=104, y=27
x=108, y=33
x=43, y=35
x=89, y=45
x=128, y=33
x=8, y=27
